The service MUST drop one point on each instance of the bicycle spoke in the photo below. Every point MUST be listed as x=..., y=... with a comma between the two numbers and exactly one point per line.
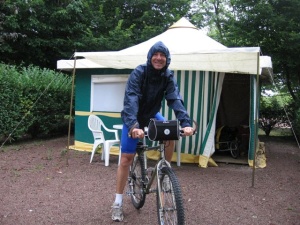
x=136, y=178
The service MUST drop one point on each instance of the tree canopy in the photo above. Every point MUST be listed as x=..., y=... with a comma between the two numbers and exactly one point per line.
x=273, y=25
x=40, y=32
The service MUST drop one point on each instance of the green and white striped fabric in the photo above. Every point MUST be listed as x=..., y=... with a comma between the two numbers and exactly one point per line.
x=201, y=92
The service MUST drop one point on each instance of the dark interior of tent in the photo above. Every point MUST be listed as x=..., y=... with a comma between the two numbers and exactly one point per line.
x=233, y=116
x=232, y=123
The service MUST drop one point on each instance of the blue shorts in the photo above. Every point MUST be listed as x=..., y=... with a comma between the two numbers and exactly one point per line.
x=128, y=144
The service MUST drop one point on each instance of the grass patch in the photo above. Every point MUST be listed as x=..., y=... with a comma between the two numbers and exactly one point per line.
x=277, y=132
x=37, y=168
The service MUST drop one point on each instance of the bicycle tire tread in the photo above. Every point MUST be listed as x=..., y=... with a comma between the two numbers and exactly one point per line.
x=178, y=196
x=141, y=201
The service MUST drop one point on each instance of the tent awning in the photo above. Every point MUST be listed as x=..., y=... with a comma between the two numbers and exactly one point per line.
x=229, y=60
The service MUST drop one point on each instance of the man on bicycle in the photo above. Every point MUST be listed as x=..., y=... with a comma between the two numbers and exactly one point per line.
x=146, y=87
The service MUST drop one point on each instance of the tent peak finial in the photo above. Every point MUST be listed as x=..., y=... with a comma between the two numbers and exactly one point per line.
x=183, y=23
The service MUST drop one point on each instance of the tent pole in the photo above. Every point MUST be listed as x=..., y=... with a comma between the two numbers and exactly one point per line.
x=256, y=121
x=70, y=114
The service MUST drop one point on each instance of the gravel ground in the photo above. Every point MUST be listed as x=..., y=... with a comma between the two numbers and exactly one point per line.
x=37, y=187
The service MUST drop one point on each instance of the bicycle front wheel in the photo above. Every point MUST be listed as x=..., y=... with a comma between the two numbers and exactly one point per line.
x=137, y=175
x=170, y=208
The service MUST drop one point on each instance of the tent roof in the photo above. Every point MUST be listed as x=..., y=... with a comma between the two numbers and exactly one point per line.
x=181, y=37
x=190, y=49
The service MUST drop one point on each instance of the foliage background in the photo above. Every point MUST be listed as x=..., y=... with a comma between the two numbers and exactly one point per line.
x=34, y=102
x=40, y=32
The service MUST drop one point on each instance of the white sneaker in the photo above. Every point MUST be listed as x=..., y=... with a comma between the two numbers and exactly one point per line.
x=117, y=212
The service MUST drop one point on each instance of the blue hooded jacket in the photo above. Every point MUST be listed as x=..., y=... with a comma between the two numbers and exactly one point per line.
x=146, y=87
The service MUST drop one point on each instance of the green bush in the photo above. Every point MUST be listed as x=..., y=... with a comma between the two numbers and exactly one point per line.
x=272, y=113
x=34, y=101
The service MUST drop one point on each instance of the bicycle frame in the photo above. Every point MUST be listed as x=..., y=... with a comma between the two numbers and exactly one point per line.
x=157, y=167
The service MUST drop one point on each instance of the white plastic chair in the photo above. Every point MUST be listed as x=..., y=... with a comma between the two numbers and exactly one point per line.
x=96, y=125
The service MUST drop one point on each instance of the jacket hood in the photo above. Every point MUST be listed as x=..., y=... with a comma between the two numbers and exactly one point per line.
x=159, y=47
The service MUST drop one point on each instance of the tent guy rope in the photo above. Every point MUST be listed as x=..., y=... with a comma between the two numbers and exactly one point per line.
x=28, y=111
x=284, y=108
x=70, y=115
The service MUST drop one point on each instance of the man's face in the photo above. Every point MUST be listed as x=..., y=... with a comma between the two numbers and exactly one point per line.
x=158, y=60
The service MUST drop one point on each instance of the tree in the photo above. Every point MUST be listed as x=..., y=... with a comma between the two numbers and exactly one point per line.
x=212, y=15
x=273, y=112
x=273, y=25
x=40, y=32
x=43, y=34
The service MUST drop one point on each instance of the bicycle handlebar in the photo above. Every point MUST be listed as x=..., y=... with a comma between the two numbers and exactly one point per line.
x=146, y=129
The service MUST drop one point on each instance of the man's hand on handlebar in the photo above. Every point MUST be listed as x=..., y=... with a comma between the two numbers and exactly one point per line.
x=137, y=133
x=188, y=131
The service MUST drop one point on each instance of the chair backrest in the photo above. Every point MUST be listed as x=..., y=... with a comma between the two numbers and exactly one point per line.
x=95, y=125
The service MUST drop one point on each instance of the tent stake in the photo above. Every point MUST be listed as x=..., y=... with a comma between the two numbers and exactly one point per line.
x=70, y=114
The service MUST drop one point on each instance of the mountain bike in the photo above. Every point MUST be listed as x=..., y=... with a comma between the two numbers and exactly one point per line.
x=170, y=209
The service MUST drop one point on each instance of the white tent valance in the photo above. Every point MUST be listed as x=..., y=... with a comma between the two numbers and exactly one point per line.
x=237, y=60
x=229, y=60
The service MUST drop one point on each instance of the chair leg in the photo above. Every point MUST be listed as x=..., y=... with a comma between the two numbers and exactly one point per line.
x=103, y=152
x=93, y=151
x=106, y=155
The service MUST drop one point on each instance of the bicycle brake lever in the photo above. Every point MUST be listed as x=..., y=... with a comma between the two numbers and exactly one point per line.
x=146, y=131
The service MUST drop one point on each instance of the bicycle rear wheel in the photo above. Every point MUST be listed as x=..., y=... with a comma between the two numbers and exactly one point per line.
x=137, y=176
x=170, y=208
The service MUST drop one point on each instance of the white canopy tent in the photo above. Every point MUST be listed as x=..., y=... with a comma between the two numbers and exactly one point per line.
x=192, y=53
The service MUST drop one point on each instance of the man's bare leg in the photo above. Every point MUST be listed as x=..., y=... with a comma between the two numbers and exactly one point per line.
x=170, y=146
x=122, y=175
x=123, y=171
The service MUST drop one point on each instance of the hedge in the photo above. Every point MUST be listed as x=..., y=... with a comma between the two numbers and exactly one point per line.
x=34, y=101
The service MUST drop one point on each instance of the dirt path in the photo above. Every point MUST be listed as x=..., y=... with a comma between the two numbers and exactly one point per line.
x=38, y=188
